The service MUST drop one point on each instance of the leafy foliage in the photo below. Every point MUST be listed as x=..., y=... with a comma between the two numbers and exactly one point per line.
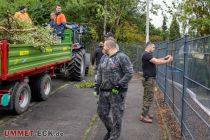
x=20, y=32
x=196, y=16
x=85, y=84
x=121, y=16
x=125, y=18
x=174, y=32
x=39, y=38
x=164, y=29
x=193, y=16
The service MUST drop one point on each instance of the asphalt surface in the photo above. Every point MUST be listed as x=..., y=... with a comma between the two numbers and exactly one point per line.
x=68, y=111
x=70, y=114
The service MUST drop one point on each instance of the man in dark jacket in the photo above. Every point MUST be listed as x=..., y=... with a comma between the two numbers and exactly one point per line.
x=113, y=74
x=110, y=35
x=97, y=54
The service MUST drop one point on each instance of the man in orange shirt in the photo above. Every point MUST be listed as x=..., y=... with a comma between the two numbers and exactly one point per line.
x=22, y=15
x=60, y=21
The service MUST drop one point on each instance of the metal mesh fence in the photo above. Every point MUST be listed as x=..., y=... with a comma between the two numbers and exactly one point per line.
x=185, y=84
x=134, y=51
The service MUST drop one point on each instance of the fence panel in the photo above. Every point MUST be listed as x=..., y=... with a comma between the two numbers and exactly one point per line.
x=187, y=84
x=196, y=102
x=133, y=50
x=161, y=51
x=174, y=78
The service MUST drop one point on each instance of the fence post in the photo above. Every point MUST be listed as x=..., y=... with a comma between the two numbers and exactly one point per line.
x=186, y=51
x=166, y=71
x=172, y=73
x=157, y=55
x=138, y=59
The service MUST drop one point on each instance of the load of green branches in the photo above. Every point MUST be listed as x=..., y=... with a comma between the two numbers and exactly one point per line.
x=20, y=32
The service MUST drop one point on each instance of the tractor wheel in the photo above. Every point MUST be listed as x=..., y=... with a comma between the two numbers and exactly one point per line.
x=76, y=68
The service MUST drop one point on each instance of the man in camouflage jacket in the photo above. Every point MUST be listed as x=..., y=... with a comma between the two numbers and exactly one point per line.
x=114, y=72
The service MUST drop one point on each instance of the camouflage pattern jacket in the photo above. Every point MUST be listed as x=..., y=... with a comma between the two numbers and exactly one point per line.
x=116, y=70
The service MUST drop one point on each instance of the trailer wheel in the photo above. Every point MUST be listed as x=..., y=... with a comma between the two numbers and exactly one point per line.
x=41, y=87
x=76, y=68
x=22, y=98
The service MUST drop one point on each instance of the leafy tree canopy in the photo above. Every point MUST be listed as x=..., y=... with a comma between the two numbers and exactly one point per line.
x=125, y=18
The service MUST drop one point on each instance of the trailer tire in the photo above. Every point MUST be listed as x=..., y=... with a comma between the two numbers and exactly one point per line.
x=21, y=98
x=41, y=87
x=76, y=68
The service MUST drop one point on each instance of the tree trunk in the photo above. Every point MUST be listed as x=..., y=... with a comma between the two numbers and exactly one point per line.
x=105, y=16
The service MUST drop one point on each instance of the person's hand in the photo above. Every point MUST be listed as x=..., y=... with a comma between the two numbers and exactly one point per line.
x=116, y=89
x=167, y=57
x=96, y=90
x=171, y=58
x=95, y=94
x=68, y=26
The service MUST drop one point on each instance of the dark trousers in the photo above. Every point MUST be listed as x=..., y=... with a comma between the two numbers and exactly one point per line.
x=115, y=103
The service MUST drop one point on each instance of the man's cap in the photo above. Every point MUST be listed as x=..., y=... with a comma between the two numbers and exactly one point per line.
x=101, y=44
x=110, y=38
x=109, y=34
x=22, y=7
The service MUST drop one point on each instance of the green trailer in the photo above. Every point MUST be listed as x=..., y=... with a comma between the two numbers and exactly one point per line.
x=26, y=71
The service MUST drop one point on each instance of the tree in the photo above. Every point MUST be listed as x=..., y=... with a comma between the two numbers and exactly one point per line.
x=174, y=30
x=125, y=18
x=193, y=15
x=164, y=29
x=105, y=16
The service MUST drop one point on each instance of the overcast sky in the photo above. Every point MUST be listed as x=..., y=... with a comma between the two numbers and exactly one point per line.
x=157, y=21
